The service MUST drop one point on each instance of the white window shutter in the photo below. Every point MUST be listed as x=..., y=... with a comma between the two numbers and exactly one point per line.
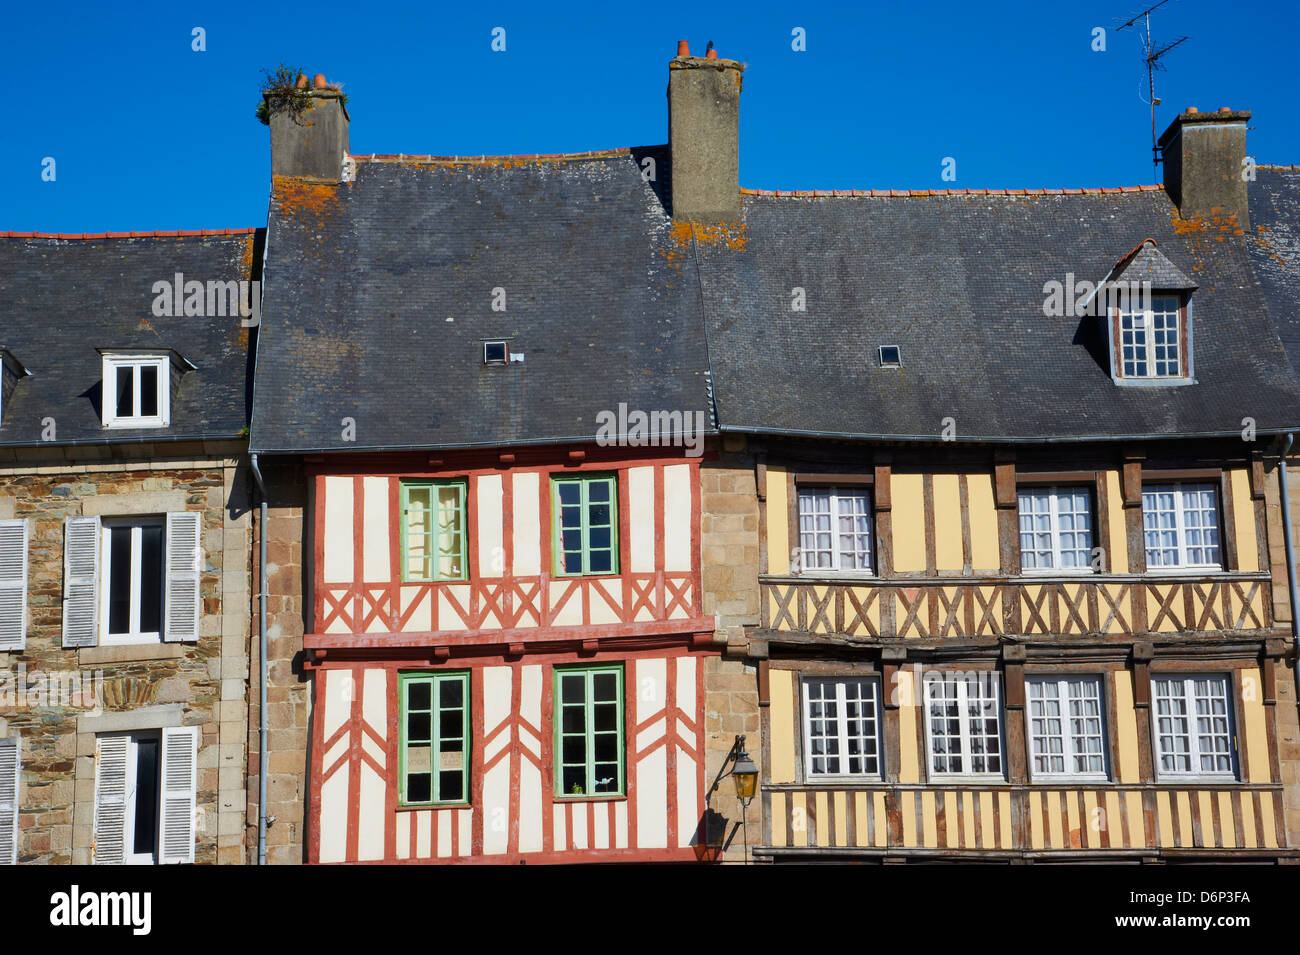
x=13, y=588
x=111, y=757
x=179, y=778
x=10, y=753
x=184, y=537
x=80, y=581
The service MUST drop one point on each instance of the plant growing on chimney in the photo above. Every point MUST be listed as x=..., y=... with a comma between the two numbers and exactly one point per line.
x=280, y=92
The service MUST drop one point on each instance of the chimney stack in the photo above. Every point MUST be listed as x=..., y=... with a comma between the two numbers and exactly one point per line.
x=704, y=136
x=315, y=143
x=1203, y=155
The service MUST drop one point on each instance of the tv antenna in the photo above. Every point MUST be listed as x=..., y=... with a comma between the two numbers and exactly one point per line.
x=1151, y=54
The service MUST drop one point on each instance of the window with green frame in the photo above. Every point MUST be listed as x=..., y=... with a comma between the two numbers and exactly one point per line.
x=586, y=525
x=589, y=731
x=434, y=738
x=433, y=530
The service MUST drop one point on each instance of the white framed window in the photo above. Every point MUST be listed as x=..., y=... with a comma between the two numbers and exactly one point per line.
x=1181, y=526
x=132, y=573
x=145, y=796
x=1067, y=735
x=1151, y=339
x=835, y=528
x=841, y=726
x=1193, y=726
x=136, y=391
x=1056, y=529
x=964, y=724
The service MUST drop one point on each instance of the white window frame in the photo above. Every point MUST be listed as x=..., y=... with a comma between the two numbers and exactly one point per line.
x=1068, y=739
x=112, y=417
x=841, y=726
x=1144, y=322
x=1053, y=491
x=128, y=824
x=136, y=636
x=994, y=680
x=1187, y=681
x=1179, y=488
x=835, y=493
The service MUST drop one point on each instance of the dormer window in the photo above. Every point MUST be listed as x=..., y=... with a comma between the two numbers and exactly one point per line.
x=137, y=390
x=1152, y=340
x=1147, y=303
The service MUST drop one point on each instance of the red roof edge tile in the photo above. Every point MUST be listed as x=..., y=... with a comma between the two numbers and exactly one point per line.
x=161, y=234
x=923, y=193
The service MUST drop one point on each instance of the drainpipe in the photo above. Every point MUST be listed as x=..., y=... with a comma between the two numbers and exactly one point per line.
x=1290, y=550
x=263, y=756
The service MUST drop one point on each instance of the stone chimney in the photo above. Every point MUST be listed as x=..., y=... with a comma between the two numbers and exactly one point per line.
x=314, y=143
x=1203, y=155
x=704, y=136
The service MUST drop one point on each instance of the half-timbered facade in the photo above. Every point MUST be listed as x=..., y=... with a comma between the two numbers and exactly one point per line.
x=483, y=695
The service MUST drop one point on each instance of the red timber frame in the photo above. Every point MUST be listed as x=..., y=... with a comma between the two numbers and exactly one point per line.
x=516, y=644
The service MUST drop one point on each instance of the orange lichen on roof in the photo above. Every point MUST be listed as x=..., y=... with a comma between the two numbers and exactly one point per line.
x=925, y=193
x=305, y=196
x=731, y=234
x=171, y=234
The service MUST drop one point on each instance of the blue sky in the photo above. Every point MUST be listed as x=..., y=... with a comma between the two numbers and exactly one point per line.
x=148, y=134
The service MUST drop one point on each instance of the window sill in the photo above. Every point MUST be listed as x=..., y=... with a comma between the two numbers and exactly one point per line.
x=130, y=653
x=843, y=780
x=1064, y=780
x=419, y=807
x=971, y=780
x=602, y=797
x=1197, y=781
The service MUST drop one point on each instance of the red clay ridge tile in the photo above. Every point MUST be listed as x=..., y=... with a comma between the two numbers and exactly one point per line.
x=125, y=235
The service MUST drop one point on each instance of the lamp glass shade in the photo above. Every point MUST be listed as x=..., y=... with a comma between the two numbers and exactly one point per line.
x=745, y=774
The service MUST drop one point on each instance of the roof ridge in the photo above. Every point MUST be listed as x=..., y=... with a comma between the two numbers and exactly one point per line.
x=159, y=234
x=486, y=159
x=911, y=193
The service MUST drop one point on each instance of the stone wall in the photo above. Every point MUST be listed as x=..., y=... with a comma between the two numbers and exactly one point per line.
x=729, y=544
x=200, y=684
x=288, y=688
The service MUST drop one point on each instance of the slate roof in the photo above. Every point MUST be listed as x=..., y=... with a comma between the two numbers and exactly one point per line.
x=1147, y=263
x=612, y=302
x=1274, y=199
x=63, y=298
x=958, y=283
x=380, y=294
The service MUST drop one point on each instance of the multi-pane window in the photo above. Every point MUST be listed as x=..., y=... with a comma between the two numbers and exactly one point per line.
x=1065, y=727
x=963, y=719
x=135, y=391
x=586, y=521
x=435, y=738
x=433, y=530
x=835, y=528
x=1055, y=529
x=1193, y=717
x=131, y=598
x=841, y=727
x=1150, y=339
x=589, y=731
x=1181, y=524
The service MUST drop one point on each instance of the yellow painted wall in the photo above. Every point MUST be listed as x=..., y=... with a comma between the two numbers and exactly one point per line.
x=778, y=521
x=947, y=522
x=1243, y=513
x=1118, y=557
x=908, y=759
x=781, y=720
x=983, y=523
x=1256, y=729
x=1126, y=730
x=908, y=494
